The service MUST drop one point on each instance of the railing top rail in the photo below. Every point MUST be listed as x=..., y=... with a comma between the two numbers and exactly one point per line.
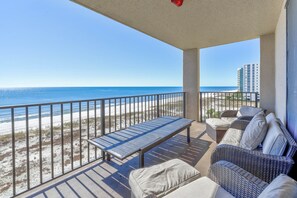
x=227, y=92
x=86, y=100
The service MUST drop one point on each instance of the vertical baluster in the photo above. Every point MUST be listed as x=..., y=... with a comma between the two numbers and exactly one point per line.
x=95, y=124
x=158, y=105
x=167, y=104
x=148, y=108
x=52, y=140
x=102, y=121
x=134, y=118
x=256, y=99
x=142, y=116
x=88, y=127
x=71, y=135
x=233, y=99
x=219, y=105
x=40, y=144
x=207, y=107
x=206, y=103
x=130, y=112
x=115, y=114
x=109, y=113
x=173, y=104
x=27, y=148
x=62, y=137
x=162, y=105
x=138, y=108
x=200, y=106
x=152, y=107
x=210, y=106
x=145, y=108
x=240, y=101
x=170, y=104
x=169, y=98
x=120, y=113
x=80, y=145
x=13, y=152
x=125, y=112
x=225, y=101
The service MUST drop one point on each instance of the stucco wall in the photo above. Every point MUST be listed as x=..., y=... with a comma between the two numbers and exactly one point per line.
x=280, y=66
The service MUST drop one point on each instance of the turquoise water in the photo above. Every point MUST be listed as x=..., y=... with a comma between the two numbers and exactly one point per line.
x=17, y=96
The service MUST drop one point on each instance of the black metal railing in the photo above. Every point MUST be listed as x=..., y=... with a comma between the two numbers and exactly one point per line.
x=40, y=142
x=212, y=104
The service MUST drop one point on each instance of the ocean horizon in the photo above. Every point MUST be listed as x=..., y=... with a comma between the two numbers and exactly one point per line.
x=36, y=95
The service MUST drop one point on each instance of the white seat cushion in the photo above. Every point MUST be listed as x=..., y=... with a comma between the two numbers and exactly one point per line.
x=202, y=188
x=254, y=133
x=232, y=137
x=217, y=124
x=280, y=187
x=161, y=179
x=275, y=141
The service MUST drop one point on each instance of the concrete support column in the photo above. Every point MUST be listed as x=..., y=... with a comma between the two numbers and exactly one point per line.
x=191, y=82
x=267, y=72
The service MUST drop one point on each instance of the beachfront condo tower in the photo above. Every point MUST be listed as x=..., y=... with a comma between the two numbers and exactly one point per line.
x=248, y=78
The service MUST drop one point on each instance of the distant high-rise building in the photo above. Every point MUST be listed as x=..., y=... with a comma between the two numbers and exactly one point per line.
x=248, y=78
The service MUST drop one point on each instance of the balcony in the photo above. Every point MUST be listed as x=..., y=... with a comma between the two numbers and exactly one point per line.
x=44, y=147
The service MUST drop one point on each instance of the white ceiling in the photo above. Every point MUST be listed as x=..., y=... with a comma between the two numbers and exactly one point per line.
x=196, y=24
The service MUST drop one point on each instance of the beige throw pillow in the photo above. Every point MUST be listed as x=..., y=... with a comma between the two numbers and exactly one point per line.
x=254, y=133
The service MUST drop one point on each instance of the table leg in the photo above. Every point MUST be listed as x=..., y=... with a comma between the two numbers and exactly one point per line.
x=141, y=159
x=188, y=135
x=108, y=157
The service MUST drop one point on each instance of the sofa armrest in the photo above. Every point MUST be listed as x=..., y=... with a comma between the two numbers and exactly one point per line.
x=264, y=166
x=248, y=118
x=239, y=124
x=236, y=180
x=229, y=113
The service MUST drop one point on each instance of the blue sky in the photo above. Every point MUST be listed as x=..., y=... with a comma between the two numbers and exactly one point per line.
x=53, y=43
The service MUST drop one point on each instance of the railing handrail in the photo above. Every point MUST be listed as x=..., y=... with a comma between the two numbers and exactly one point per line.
x=85, y=100
x=229, y=92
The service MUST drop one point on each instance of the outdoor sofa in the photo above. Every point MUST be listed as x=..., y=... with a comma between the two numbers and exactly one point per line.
x=272, y=152
x=244, y=113
x=217, y=127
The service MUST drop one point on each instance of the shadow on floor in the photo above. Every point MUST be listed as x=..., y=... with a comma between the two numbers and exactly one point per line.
x=110, y=179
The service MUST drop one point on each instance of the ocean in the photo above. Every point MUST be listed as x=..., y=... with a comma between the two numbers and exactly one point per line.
x=20, y=96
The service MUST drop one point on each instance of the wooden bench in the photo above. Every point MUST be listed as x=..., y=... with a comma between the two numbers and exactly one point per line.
x=141, y=137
